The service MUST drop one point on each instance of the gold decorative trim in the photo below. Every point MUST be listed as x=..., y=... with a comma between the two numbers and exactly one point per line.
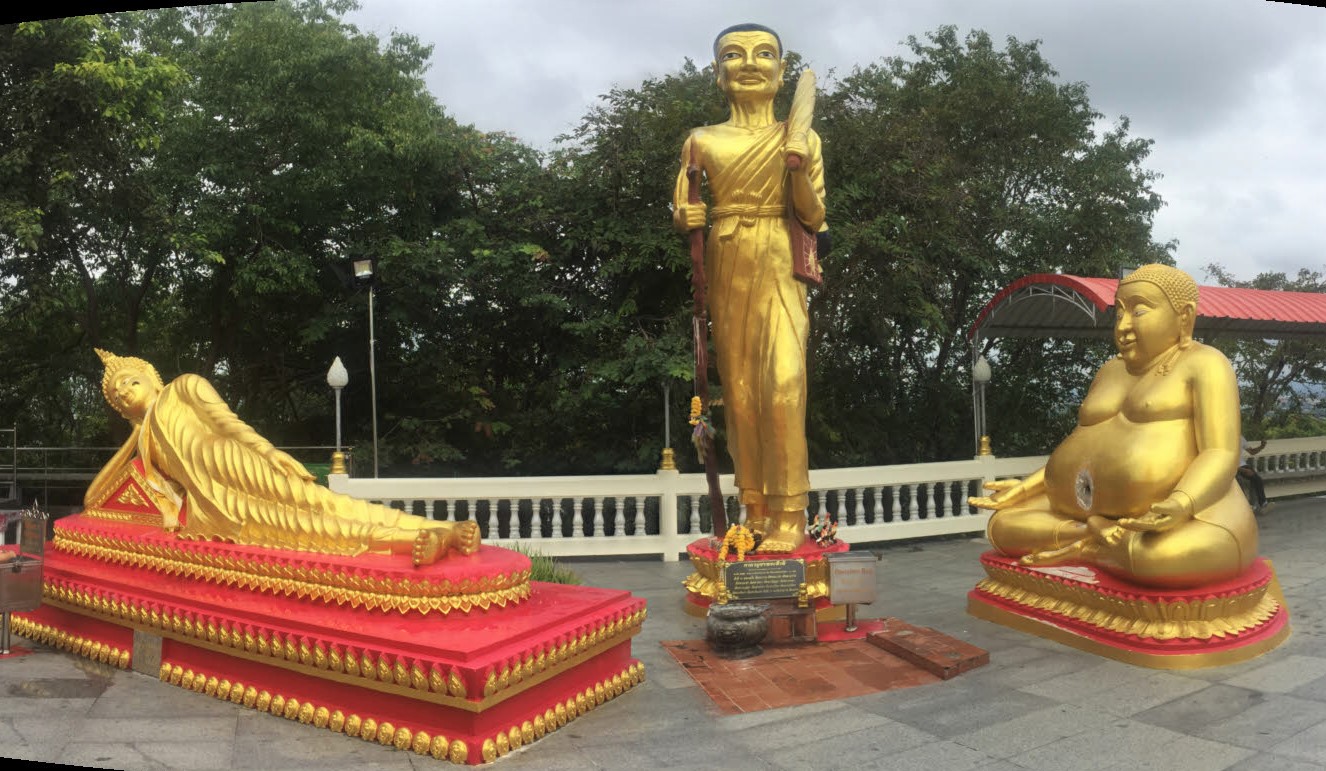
x=375, y=669
x=1177, y=661
x=82, y=646
x=130, y=473
x=418, y=741
x=328, y=586
x=1200, y=618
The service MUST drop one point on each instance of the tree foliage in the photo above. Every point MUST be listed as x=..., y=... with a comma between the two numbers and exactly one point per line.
x=1281, y=382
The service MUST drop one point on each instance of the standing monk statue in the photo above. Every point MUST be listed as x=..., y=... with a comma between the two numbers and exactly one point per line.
x=230, y=484
x=755, y=167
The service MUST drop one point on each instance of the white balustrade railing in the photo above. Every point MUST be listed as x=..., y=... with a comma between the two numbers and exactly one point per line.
x=661, y=513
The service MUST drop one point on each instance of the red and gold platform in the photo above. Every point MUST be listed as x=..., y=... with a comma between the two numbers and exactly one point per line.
x=702, y=586
x=1088, y=609
x=462, y=660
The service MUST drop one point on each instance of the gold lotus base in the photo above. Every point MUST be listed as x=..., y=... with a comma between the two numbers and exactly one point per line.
x=1086, y=609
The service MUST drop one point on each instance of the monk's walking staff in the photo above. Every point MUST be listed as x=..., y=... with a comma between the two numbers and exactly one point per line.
x=703, y=436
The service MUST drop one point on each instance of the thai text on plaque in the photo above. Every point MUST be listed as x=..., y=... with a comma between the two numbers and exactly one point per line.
x=764, y=579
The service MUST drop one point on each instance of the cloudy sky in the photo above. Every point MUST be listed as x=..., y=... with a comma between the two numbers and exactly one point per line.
x=1232, y=91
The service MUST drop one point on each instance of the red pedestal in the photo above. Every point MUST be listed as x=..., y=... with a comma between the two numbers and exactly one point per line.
x=701, y=585
x=464, y=659
x=1088, y=609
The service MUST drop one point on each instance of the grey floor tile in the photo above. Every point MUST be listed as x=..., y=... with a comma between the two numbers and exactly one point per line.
x=1281, y=675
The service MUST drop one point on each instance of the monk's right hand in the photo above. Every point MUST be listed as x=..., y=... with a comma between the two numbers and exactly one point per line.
x=690, y=216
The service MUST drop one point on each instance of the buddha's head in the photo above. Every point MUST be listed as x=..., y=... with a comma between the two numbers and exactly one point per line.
x=748, y=62
x=130, y=384
x=1155, y=309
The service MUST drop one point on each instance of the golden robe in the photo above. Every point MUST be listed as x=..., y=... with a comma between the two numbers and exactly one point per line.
x=194, y=447
x=758, y=310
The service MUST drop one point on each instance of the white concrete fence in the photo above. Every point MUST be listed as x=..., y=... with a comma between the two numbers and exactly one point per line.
x=660, y=513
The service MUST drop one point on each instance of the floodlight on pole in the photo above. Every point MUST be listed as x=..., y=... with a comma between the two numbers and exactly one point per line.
x=364, y=270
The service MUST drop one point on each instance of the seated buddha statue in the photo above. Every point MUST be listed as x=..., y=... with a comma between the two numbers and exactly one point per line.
x=1144, y=487
x=233, y=485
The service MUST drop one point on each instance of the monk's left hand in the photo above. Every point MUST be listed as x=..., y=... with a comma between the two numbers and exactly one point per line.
x=1166, y=515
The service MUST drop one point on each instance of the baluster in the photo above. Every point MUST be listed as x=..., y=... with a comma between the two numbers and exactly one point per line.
x=897, y=505
x=619, y=517
x=536, y=518
x=556, y=517
x=695, y=515
x=598, y=530
x=877, y=512
x=577, y=518
x=639, y=529
x=859, y=518
x=913, y=505
x=948, y=498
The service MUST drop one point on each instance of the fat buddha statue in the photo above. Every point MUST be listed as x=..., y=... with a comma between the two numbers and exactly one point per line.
x=1144, y=487
x=757, y=308
x=232, y=485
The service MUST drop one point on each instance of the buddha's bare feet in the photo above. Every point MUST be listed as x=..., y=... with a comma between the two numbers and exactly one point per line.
x=788, y=534
x=465, y=537
x=428, y=546
x=1054, y=556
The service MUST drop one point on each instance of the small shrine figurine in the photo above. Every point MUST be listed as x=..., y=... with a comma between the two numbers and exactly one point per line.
x=214, y=477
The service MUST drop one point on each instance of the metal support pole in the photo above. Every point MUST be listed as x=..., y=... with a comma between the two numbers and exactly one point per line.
x=373, y=382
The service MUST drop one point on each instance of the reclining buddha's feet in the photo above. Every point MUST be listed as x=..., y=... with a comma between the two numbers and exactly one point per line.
x=431, y=543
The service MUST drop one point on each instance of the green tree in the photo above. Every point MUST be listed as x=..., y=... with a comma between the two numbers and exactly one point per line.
x=1281, y=382
x=952, y=172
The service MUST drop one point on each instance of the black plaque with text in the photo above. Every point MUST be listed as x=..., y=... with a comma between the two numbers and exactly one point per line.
x=764, y=579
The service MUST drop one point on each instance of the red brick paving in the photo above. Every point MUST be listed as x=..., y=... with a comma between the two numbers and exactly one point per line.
x=935, y=652
x=785, y=676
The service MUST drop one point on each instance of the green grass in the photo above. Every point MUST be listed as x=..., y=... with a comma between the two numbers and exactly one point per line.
x=547, y=569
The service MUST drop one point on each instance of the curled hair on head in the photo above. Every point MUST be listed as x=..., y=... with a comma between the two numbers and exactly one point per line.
x=748, y=27
x=116, y=364
x=1177, y=286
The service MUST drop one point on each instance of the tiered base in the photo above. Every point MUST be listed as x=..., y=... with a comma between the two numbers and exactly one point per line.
x=702, y=585
x=1163, y=629
x=466, y=685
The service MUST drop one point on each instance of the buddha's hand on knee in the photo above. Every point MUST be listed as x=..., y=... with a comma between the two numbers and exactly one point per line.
x=1106, y=531
x=1165, y=515
x=1007, y=493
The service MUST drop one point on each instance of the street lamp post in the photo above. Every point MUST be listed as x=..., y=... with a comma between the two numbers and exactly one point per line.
x=980, y=375
x=338, y=378
x=364, y=273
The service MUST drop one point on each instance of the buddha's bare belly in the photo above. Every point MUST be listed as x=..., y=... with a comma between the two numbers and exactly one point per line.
x=1118, y=468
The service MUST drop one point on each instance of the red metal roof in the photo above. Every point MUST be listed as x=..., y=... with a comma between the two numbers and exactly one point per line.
x=1058, y=305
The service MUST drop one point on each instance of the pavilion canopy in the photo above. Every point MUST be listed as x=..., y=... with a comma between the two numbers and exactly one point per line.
x=1057, y=305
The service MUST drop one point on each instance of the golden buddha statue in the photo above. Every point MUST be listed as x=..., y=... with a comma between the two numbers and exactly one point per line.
x=237, y=486
x=1144, y=487
x=758, y=310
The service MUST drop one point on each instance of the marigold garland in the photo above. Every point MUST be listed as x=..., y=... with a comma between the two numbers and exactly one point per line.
x=740, y=538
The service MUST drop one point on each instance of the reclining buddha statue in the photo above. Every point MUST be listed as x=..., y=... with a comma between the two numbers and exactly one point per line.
x=1144, y=487
x=214, y=477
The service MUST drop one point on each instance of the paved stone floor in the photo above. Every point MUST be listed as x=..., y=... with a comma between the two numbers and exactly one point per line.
x=1037, y=705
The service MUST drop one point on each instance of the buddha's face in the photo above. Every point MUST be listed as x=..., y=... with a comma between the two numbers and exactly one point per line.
x=749, y=64
x=132, y=392
x=1145, y=324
